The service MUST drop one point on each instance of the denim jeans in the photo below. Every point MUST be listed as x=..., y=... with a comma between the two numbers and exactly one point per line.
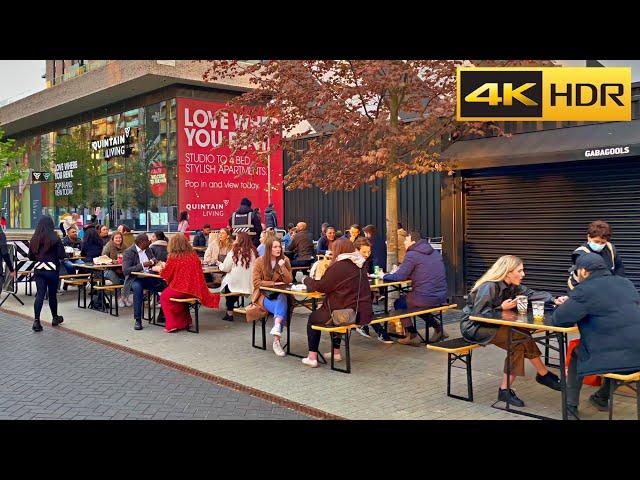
x=277, y=307
x=138, y=285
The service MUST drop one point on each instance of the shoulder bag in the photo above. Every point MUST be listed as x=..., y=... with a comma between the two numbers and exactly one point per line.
x=344, y=316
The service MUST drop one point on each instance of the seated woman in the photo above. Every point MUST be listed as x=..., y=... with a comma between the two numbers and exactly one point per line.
x=273, y=267
x=126, y=234
x=113, y=249
x=220, y=243
x=264, y=235
x=340, y=286
x=496, y=290
x=184, y=278
x=91, y=245
x=239, y=271
x=159, y=245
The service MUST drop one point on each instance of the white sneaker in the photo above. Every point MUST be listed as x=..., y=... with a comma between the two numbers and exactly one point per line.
x=121, y=303
x=128, y=301
x=276, y=330
x=336, y=358
x=310, y=363
x=364, y=331
x=278, y=350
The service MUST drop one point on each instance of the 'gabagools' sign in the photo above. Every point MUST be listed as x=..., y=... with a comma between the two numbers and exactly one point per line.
x=607, y=152
x=116, y=146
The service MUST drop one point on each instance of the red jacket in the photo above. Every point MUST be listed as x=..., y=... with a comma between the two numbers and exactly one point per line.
x=184, y=274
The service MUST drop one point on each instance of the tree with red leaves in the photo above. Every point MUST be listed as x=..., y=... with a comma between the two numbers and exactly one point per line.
x=373, y=119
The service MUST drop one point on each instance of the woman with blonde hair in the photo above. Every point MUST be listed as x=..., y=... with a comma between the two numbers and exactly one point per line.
x=497, y=290
x=220, y=243
x=264, y=235
x=184, y=278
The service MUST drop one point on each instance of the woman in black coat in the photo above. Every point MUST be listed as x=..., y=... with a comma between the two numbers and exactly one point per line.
x=46, y=250
x=91, y=244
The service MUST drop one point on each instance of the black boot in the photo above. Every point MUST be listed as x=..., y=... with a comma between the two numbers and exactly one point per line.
x=37, y=327
x=57, y=320
x=503, y=394
x=227, y=317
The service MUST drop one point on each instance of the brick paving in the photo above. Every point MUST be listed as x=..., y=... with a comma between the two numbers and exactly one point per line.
x=58, y=376
x=387, y=381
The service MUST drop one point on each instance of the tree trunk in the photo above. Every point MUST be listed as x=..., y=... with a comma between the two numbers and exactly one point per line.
x=391, y=205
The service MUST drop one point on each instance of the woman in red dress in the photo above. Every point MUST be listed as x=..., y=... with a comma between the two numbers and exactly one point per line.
x=184, y=277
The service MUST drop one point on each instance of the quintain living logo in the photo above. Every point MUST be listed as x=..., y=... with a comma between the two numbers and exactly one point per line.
x=546, y=94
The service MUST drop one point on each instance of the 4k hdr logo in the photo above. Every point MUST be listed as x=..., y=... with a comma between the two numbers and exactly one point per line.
x=547, y=94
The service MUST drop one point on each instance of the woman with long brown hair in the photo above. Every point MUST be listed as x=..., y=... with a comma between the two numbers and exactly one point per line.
x=184, y=278
x=345, y=285
x=270, y=269
x=238, y=265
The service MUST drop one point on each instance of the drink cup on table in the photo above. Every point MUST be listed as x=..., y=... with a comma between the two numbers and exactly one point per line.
x=538, y=310
x=522, y=303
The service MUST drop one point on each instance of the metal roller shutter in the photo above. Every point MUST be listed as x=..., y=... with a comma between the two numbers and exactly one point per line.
x=541, y=212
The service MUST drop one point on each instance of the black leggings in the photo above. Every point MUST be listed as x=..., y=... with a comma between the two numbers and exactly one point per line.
x=231, y=301
x=46, y=280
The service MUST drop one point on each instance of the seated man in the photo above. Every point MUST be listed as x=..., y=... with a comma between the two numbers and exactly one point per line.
x=327, y=239
x=202, y=238
x=425, y=268
x=606, y=308
x=138, y=258
x=302, y=247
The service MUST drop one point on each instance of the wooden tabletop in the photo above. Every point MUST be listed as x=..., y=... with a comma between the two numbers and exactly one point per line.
x=378, y=283
x=146, y=275
x=75, y=258
x=91, y=266
x=200, y=249
x=286, y=289
x=513, y=319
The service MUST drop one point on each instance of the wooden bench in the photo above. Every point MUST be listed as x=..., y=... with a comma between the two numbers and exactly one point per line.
x=344, y=331
x=263, y=324
x=192, y=303
x=73, y=276
x=235, y=294
x=616, y=380
x=81, y=283
x=111, y=292
x=458, y=350
x=25, y=276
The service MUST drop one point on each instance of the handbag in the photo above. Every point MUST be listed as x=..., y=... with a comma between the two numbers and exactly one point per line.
x=254, y=312
x=344, y=316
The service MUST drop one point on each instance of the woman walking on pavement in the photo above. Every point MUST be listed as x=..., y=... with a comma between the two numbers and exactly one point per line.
x=46, y=250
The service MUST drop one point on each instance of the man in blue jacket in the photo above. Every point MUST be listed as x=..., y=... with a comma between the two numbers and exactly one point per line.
x=606, y=308
x=424, y=267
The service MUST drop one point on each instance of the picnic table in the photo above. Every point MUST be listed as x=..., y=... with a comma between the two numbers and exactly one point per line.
x=532, y=326
x=95, y=269
x=401, y=286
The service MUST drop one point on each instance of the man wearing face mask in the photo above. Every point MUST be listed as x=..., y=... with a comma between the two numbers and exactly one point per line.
x=598, y=241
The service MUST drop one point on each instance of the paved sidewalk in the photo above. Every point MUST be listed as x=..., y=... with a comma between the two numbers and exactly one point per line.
x=60, y=376
x=387, y=381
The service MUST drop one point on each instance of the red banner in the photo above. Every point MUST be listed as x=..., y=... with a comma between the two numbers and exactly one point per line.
x=211, y=180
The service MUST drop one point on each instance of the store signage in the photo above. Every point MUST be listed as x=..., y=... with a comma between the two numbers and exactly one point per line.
x=64, y=172
x=40, y=176
x=212, y=180
x=116, y=146
x=607, y=152
x=545, y=93
x=158, y=179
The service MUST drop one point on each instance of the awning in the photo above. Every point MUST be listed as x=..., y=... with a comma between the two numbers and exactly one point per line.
x=601, y=140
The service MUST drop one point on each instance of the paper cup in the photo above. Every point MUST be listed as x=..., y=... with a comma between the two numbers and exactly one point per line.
x=523, y=303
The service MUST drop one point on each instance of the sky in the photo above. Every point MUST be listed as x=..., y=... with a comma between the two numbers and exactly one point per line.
x=19, y=77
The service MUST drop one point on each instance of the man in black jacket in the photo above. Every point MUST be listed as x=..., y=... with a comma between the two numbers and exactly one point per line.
x=606, y=308
x=202, y=238
x=270, y=219
x=245, y=220
x=139, y=258
x=302, y=247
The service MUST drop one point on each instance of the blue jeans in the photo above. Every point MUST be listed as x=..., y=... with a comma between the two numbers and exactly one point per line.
x=70, y=266
x=277, y=307
x=138, y=285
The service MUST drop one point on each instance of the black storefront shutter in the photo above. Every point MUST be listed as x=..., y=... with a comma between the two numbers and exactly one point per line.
x=541, y=213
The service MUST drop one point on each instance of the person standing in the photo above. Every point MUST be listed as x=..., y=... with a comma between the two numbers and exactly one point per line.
x=3, y=223
x=46, y=250
x=4, y=251
x=183, y=226
x=598, y=241
x=184, y=278
x=270, y=219
x=245, y=220
x=606, y=308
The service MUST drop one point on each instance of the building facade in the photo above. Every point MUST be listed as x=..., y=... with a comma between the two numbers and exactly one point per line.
x=133, y=142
